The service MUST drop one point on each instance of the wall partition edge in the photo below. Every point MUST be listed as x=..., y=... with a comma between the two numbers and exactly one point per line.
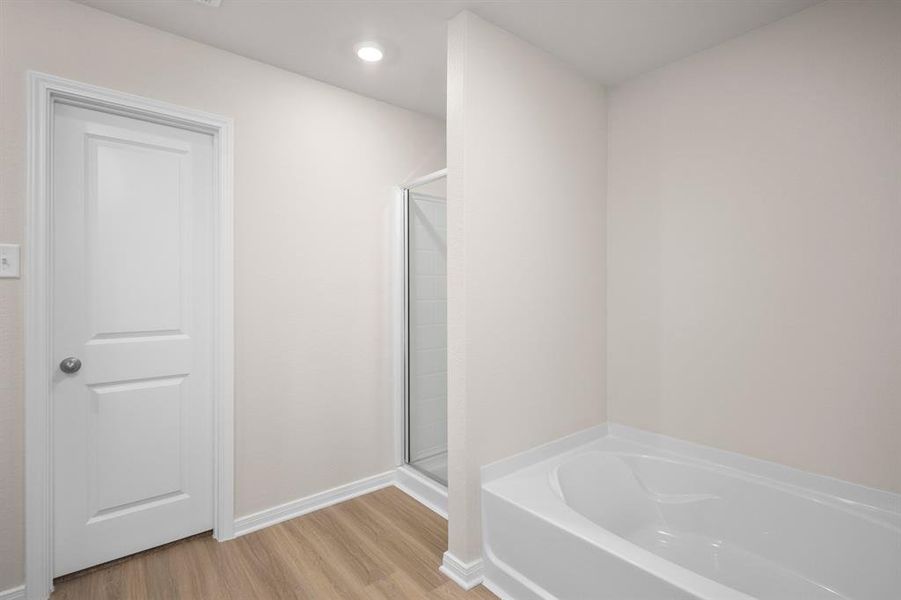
x=43, y=92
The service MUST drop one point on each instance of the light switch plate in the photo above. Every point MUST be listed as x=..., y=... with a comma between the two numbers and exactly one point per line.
x=9, y=260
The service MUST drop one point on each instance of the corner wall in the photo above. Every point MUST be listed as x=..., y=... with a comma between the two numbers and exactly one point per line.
x=754, y=253
x=526, y=292
x=315, y=174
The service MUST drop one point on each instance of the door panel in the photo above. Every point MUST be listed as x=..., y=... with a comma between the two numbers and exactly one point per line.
x=145, y=465
x=135, y=212
x=132, y=299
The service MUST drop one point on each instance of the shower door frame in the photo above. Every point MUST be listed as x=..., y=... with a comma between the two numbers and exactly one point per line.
x=405, y=344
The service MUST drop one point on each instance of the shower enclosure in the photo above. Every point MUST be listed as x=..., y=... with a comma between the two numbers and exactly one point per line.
x=425, y=325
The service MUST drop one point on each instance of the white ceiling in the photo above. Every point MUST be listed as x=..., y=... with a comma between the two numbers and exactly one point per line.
x=608, y=40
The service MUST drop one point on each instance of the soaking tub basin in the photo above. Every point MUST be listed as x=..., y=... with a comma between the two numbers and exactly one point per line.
x=631, y=515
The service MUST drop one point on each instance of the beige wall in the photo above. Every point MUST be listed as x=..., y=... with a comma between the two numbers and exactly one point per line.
x=526, y=187
x=314, y=170
x=754, y=245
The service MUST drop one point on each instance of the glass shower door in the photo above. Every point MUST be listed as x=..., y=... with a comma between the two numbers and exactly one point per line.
x=426, y=401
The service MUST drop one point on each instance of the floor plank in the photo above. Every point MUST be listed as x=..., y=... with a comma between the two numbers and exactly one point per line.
x=383, y=545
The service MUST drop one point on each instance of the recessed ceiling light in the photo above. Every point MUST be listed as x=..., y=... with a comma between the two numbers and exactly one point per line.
x=369, y=52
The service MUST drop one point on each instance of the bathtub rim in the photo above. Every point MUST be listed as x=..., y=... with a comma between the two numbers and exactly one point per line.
x=874, y=515
x=854, y=496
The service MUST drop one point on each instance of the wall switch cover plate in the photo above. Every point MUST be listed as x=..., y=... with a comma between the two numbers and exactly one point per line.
x=9, y=260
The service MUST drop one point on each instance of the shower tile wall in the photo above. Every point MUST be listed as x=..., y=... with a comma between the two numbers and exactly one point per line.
x=428, y=332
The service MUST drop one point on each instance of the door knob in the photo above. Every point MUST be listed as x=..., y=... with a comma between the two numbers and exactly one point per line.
x=70, y=365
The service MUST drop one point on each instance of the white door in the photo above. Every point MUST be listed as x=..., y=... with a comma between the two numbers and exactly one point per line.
x=132, y=300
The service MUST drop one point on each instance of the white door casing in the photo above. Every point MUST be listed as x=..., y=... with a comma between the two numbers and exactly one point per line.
x=138, y=344
x=133, y=453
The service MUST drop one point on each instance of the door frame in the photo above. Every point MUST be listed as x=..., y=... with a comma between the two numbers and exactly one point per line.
x=44, y=91
x=402, y=302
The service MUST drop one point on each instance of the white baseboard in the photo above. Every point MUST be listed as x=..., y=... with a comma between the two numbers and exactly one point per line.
x=422, y=489
x=417, y=486
x=16, y=593
x=466, y=575
x=496, y=590
x=302, y=506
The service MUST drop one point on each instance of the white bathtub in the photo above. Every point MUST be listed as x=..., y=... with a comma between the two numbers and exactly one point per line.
x=622, y=514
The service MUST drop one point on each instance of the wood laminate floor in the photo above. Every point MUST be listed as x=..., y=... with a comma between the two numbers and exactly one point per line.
x=383, y=545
